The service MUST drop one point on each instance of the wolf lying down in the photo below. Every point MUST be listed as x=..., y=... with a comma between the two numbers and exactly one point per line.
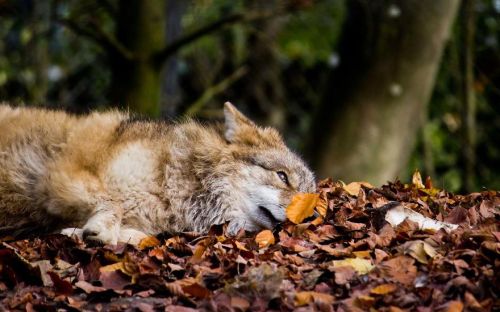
x=116, y=179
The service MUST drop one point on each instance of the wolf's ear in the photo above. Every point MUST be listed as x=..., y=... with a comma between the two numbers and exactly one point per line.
x=235, y=122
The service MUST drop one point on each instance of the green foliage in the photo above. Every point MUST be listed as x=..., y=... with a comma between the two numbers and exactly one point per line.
x=310, y=34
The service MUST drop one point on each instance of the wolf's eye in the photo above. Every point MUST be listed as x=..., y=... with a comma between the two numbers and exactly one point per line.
x=283, y=177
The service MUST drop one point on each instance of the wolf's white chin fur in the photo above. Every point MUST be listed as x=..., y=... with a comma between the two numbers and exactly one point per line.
x=253, y=199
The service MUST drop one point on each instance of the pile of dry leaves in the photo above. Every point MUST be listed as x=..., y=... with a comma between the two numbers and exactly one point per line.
x=336, y=253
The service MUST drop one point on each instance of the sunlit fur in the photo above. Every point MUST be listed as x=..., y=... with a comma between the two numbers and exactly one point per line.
x=121, y=179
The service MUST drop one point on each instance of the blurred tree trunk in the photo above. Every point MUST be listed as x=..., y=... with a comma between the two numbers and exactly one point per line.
x=38, y=51
x=170, y=93
x=263, y=88
x=136, y=81
x=366, y=127
x=468, y=95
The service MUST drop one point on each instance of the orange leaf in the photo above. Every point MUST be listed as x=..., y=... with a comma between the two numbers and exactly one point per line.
x=240, y=246
x=264, y=238
x=354, y=187
x=301, y=207
x=383, y=289
x=149, y=241
x=317, y=221
x=199, y=251
x=196, y=290
x=455, y=306
x=362, y=254
x=322, y=207
x=306, y=297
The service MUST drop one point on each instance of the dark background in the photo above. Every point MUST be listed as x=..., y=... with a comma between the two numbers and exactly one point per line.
x=366, y=90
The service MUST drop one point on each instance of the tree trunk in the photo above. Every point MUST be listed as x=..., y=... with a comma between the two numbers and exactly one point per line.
x=468, y=96
x=366, y=127
x=38, y=51
x=136, y=82
x=170, y=93
x=263, y=89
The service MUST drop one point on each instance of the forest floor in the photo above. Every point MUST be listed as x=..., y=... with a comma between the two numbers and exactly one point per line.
x=338, y=252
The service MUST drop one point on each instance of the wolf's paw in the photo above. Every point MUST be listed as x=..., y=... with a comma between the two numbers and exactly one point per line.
x=131, y=236
x=237, y=224
x=73, y=232
x=98, y=230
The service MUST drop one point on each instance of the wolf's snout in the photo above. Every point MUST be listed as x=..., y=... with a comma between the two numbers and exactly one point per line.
x=270, y=216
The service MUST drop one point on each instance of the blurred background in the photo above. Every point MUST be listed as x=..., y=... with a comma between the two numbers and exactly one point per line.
x=366, y=90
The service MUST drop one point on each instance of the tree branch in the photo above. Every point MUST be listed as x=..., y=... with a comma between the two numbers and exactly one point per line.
x=106, y=41
x=212, y=91
x=213, y=27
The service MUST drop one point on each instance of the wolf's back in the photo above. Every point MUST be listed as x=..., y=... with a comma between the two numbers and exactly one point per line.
x=31, y=142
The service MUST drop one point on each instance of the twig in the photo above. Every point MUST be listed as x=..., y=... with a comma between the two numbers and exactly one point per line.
x=217, y=25
x=212, y=91
x=100, y=37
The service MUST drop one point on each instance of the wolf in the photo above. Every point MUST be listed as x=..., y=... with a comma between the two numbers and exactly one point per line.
x=110, y=177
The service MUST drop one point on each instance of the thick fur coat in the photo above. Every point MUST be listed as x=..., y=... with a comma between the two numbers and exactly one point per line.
x=120, y=179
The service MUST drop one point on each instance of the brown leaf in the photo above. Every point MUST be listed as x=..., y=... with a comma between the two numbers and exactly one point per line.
x=306, y=297
x=89, y=288
x=264, y=238
x=401, y=269
x=61, y=286
x=419, y=250
x=240, y=303
x=199, y=250
x=354, y=187
x=301, y=207
x=148, y=242
x=196, y=290
x=114, y=280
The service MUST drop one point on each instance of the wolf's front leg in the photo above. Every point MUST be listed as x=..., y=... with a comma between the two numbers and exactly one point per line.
x=129, y=236
x=78, y=196
x=104, y=224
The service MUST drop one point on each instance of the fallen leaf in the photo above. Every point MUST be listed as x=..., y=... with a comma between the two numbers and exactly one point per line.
x=362, y=266
x=240, y=246
x=362, y=254
x=196, y=290
x=417, y=180
x=398, y=214
x=240, y=303
x=264, y=238
x=365, y=301
x=62, y=287
x=199, y=250
x=89, y=288
x=383, y=289
x=305, y=297
x=322, y=206
x=419, y=250
x=112, y=267
x=400, y=269
x=455, y=306
x=148, y=242
x=354, y=187
x=301, y=207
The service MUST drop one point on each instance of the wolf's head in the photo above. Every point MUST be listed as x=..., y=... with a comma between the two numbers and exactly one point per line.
x=266, y=173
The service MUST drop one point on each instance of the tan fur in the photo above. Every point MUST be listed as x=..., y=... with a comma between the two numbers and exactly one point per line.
x=120, y=179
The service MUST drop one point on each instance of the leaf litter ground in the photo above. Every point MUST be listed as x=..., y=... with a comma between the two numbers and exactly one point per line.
x=338, y=253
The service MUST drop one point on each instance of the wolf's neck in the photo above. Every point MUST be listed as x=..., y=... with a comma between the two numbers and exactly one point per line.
x=197, y=175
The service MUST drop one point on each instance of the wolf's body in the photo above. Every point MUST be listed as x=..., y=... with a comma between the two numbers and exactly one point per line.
x=120, y=179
